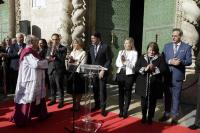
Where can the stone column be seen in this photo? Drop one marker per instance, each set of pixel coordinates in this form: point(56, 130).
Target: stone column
point(11, 18)
point(78, 19)
point(66, 24)
point(17, 14)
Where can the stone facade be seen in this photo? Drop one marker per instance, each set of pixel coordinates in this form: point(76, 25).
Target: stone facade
point(77, 18)
point(187, 18)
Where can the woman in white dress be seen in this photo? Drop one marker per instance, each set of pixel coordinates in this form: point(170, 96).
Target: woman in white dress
point(76, 87)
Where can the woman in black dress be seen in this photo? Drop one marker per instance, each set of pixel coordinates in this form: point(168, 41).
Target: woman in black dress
point(150, 68)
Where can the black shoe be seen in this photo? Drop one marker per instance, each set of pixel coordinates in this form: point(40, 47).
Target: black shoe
point(174, 121)
point(143, 121)
point(125, 115)
point(52, 103)
point(120, 114)
point(95, 109)
point(194, 127)
point(164, 118)
point(60, 104)
point(104, 113)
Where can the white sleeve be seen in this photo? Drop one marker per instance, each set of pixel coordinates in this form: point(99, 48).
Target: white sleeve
point(34, 62)
point(118, 62)
point(83, 58)
point(131, 63)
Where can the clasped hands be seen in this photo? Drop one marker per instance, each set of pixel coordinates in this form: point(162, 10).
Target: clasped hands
point(175, 61)
point(150, 68)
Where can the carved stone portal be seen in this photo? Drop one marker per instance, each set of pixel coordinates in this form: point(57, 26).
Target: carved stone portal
point(187, 16)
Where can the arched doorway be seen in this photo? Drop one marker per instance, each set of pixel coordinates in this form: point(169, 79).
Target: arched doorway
point(117, 20)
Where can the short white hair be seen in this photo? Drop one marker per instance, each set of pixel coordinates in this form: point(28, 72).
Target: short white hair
point(31, 39)
point(19, 34)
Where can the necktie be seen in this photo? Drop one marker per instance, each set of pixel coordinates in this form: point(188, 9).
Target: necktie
point(95, 50)
point(7, 49)
point(175, 49)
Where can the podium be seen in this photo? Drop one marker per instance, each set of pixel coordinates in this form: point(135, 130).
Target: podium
point(87, 124)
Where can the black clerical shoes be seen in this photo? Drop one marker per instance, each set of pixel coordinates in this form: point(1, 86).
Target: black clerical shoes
point(194, 127)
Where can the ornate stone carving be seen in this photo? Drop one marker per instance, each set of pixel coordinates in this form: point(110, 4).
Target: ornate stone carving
point(191, 13)
point(188, 14)
point(78, 19)
point(179, 14)
point(66, 24)
point(18, 14)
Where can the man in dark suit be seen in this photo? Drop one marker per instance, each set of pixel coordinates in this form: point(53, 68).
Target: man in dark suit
point(196, 124)
point(177, 55)
point(56, 69)
point(100, 54)
point(13, 54)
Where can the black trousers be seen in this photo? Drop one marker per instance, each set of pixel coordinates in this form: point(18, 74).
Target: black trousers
point(100, 92)
point(56, 84)
point(151, 108)
point(13, 80)
point(125, 83)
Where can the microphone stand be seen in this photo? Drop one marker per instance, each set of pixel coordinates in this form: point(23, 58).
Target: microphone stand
point(73, 94)
point(148, 87)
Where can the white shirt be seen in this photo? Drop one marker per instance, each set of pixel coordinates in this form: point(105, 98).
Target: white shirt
point(176, 47)
point(131, 58)
point(80, 57)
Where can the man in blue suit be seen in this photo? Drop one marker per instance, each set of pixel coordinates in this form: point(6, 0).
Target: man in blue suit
point(177, 55)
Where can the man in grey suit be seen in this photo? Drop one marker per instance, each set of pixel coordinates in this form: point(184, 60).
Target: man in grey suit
point(56, 69)
point(177, 55)
point(100, 54)
point(196, 124)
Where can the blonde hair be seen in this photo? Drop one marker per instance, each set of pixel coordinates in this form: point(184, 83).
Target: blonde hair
point(131, 41)
point(79, 42)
